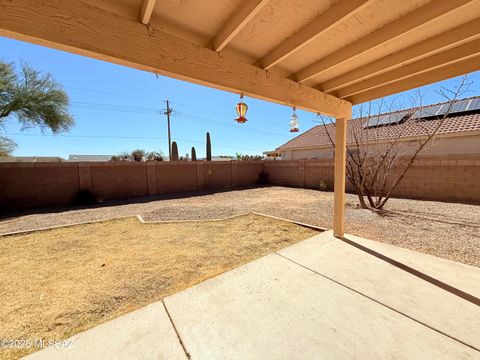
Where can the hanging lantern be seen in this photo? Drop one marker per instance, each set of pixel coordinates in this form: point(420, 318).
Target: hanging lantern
point(294, 122)
point(241, 111)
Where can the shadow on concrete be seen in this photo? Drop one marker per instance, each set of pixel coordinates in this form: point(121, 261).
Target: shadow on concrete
point(451, 289)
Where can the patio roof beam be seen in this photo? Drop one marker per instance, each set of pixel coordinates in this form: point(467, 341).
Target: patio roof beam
point(147, 9)
point(422, 49)
point(311, 31)
point(432, 62)
point(84, 29)
point(245, 12)
point(427, 77)
point(413, 20)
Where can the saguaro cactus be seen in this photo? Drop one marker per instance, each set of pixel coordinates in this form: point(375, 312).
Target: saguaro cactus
point(194, 154)
point(209, 148)
point(174, 151)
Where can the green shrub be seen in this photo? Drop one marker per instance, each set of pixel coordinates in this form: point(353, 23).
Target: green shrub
point(323, 185)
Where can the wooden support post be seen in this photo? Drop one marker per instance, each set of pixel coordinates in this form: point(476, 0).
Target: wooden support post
point(339, 179)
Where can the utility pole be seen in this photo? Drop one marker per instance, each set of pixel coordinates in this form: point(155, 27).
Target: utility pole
point(168, 112)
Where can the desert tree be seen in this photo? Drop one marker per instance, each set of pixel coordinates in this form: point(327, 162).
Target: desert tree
point(378, 155)
point(34, 99)
point(155, 155)
point(138, 155)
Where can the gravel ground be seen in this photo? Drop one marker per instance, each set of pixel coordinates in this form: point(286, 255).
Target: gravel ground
point(447, 230)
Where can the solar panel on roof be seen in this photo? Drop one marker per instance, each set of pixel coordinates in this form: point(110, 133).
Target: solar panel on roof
point(440, 110)
point(443, 109)
point(388, 119)
point(474, 104)
point(459, 106)
point(427, 111)
point(393, 118)
point(373, 121)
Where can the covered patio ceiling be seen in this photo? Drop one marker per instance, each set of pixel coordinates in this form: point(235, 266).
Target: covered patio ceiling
point(318, 55)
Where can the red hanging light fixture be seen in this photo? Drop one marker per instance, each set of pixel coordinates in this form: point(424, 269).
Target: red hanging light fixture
point(241, 111)
point(294, 125)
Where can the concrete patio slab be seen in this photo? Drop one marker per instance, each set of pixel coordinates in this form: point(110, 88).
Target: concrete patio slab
point(142, 334)
point(274, 308)
point(393, 287)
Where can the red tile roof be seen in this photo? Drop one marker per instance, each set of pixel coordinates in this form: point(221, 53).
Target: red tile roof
point(318, 136)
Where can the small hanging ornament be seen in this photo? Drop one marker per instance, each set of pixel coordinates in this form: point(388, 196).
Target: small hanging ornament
point(241, 111)
point(294, 122)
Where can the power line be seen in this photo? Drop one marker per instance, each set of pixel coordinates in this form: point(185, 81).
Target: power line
point(133, 137)
point(184, 115)
point(112, 107)
point(198, 108)
point(111, 93)
point(193, 117)
point(156, 100)
point(146, 98)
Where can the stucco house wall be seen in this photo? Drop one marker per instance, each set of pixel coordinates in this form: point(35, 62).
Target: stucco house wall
point(444, 145)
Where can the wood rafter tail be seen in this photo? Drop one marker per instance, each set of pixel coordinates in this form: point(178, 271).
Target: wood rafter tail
point(147, 10)
point(413, 20)
point(431, 76)
point(435, 44)
point(450, 56)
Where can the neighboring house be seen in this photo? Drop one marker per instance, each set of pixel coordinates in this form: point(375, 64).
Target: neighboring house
point(458, 134)
point(89, 158)
point(272, 155)
point(30, 159)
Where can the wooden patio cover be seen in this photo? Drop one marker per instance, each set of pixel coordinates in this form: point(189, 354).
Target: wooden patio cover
point(318, 55)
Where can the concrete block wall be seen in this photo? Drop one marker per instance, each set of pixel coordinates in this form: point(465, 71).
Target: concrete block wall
point(115, 180)
point(26, 185)
point(172, 178)
point(318, 170)
point(445, 178)
point(34, 185)
point(246, 173)
point(217, 175)
point(440, 178)
point(283, 173)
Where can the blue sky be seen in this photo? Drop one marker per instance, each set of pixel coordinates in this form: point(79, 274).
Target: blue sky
point(119, 109)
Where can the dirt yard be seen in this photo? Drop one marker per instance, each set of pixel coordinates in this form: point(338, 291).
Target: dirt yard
point(447, 230)
point(59, 282)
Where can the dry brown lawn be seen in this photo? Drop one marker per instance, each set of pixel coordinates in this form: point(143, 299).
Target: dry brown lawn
point(55, 283)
